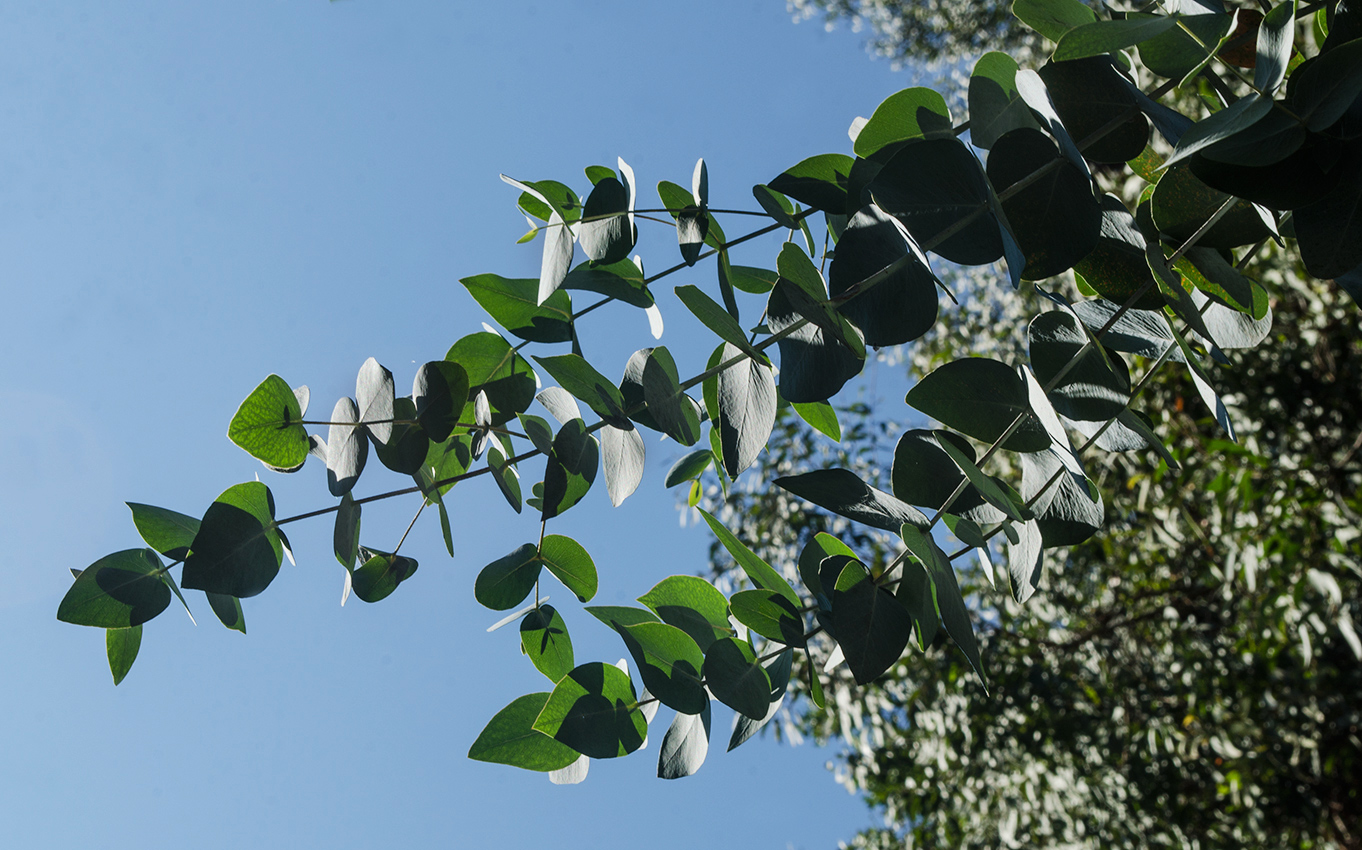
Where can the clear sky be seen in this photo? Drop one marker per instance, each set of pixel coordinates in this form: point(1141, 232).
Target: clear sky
point(195, 195)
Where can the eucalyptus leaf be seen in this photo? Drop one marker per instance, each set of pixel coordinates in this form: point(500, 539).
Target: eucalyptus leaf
point(504, 583)
point(691, 604)
point(121, 646)
point(347, 448)
point(118, 591)
point(685, 745)
point(169, 532)
point(267, 425)
point(736, 678)
point(570, 563)
point(544, 638)
point(594, 710)
point(510, 738)
point(747, 411)
point(237, 550)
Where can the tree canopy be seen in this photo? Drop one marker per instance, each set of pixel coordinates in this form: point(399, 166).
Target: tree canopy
point(1171, 281)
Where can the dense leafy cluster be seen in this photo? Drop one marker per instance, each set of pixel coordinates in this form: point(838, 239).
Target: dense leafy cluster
point(1190, 677)
point(1171, 282)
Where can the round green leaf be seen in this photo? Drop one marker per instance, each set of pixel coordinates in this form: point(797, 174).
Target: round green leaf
point(736, 678)
point(380, 574)
point(872, 627)
point(544, 638)
point(939, 192)
point(118, 591)
point(237, 551)
point(691, 604)
point(980, 397)
point(266, 425)
point(504, 583)
point(166, 531)
point(510, 738)
point(669, 662)
point(770, 615)
point(122, 645)
point(594, 710)
point(914, 113)
point(495, 368)
point(570, 564)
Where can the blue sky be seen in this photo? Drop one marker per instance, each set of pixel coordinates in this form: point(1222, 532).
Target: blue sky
point(193, 196)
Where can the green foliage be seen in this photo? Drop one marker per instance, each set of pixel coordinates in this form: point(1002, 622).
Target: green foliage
point(1038, 447)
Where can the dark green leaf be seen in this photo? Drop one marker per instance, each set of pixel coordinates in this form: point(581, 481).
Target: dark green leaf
point(121, 646)
point(345, 538)
point(571, 468)
point(674, 412)
point(923, 474)
point(514, 304)
point(266, 425)
point(506, 478)
point(815, 552)
point(1053, 18)
point(594, 711)
point(228, 611)
point(995, 106)
point(570, 564)
point(444, 461)
point(237, 551)
point(623, 281)
point(677, 198)
point(716, 318)
point(899, 307)
point(915, 113)
point(939, 192)
point(685, 745)
point(1066, 514)
point(1055, 219)
point(605, 232)
point(1097, 388)
point(914, 593)
point(769, 614)
point(582, 380)
point(814, 364)
point(544, 638)
point(1329, 230)
point(380, 574)
point(1181, 204)
point(980, 397)
point(758, 571)
point(750, 279)
point(622, 615)
point(539, 432)
point(736, 678)
point(819, 181)
point(1117, 268)
point(1109, 36)
point(776, 205)
point(946, 591)
point(871, 626)
point(408, 444)
point(691, 604)
point(166, 531)
point(1242, 114)
point(842, 492)
point(118, 591)
point(1208, 271)
point(1326, 88)
point(747, 411)
point(669, 662)
point(778, 671)
point(495, 368)
point(1088, 95)
point(504, 583)
point(689, 467)
point(986, 486)
point(511, 739)
point(440, 392)
point(1175, 53)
